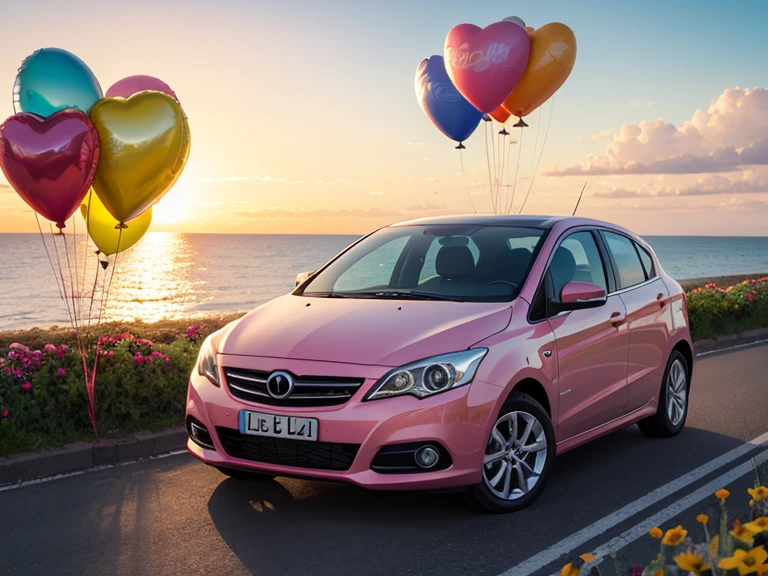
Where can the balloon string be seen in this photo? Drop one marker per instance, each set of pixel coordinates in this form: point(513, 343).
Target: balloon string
point(541, 153)
point(509, 173)
point(93, 290)
point(500, 184)
point(114, 268)
point(73, 286)
point(496, 170)
point(85, 251)
point(50, 260)
point(61, 275)
point(464, 177)
point(536, 143)
point(488, 158)
point(517, 169)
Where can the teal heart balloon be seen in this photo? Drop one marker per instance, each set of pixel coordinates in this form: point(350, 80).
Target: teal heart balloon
point(52, 79)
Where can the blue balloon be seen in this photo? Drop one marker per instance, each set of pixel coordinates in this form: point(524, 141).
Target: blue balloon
point(52, 79)
point(448, 110)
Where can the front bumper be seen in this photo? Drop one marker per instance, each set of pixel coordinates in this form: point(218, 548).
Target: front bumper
point(459, 420)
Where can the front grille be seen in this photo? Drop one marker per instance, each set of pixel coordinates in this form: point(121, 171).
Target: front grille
point(251, 385)
point(286, 452)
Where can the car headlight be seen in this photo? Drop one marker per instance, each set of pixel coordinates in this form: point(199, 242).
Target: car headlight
point(429, 376)
point(206, 362)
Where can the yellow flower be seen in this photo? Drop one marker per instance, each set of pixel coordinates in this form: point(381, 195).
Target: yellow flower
point(656, 532)
point(588, 557)
point(759, 493)
point(745, 562)
point(735, 306)
point(691, 562)
point(757, 525)
point(714, 544)
point(722, 494)
point(659, 572)
point(702, 518)
point(741, 532)
point(569, 570)
point(674, 536)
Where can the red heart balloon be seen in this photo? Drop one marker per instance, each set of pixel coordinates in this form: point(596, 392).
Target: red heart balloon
point(50, 161)
point(485, 64)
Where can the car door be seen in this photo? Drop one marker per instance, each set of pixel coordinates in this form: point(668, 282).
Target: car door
point(592, 344)
point(646, 299)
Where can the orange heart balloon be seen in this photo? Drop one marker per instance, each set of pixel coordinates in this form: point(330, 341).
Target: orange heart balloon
point(145, 145)
point(500, 115)
point(553, 52)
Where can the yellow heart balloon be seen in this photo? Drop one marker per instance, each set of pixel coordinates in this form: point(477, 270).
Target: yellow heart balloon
point(106, 232)
point(144, 147)
point(553, 52)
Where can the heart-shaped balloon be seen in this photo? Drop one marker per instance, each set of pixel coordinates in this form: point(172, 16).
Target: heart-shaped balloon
point(50, 161)
point(485, 64)
point(105, 231)
point(553, 53)
point(131, 85)
point(448, 110)
point(145, 147)
point(52, 79)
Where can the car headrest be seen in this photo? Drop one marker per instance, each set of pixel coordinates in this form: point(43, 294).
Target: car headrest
point(454, 262)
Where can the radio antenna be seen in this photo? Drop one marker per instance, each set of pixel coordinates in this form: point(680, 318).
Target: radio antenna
point(579, 200)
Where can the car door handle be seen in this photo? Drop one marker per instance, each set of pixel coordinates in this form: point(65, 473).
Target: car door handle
point(618, 318)
point(660, 299)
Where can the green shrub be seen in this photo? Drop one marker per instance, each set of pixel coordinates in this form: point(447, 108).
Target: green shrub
point(714, 311)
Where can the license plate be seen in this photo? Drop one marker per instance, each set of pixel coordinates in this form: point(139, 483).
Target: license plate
point(277, 426)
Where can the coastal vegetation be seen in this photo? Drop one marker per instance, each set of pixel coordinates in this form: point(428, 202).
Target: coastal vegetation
point(143, 368)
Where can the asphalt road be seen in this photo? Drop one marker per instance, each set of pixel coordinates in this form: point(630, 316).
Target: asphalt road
point(177, 516)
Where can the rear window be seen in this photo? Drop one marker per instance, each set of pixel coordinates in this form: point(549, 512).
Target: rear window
point(647, 261)
point(627, 261)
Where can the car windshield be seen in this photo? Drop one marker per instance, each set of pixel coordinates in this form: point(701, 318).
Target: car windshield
point(439, 262)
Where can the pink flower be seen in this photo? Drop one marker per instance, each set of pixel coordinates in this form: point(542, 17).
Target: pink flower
point(73, 332)
point(144, 341)
point(138, 358)
point(5, 413)
point(750, 296)
point(62, 372)
point(17, 346)
point(18, 373)
point(49, 348)
point(26, 386)
point(126, 336)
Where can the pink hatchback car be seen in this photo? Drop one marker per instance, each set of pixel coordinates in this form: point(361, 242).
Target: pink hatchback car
point(449, 352)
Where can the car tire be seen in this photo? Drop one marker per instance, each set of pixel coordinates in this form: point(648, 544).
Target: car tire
point(672, 412)
point(534, 465)
point(244, 474)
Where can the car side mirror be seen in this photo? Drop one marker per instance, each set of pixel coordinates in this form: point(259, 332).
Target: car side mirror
point(577, 295)
point(302, 277)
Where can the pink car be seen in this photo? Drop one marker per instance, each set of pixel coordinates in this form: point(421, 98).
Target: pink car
point(458, 352)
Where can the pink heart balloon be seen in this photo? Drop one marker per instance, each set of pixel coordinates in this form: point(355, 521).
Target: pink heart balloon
point(129, 86)
point(485, 64)
point(50, 161)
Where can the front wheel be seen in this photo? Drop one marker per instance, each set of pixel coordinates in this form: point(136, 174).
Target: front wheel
point(518, 457)
point(673, 400)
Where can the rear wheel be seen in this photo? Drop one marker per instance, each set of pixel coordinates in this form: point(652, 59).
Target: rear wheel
point(244, 474)
point(518, 457)
point(672, 412)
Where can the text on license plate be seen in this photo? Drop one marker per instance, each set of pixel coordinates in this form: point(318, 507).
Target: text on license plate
point(275, 425)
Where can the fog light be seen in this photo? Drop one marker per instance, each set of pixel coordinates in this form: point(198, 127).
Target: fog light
point(199, 433)
point(426, 457)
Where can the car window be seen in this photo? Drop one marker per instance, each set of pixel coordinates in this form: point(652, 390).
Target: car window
point(627, 261)
point(577, 258)
point(374, 270)
point(647, 261)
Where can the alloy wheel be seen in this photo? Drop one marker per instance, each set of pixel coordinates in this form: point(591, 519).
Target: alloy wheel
point(677, 393)
point(515, 455)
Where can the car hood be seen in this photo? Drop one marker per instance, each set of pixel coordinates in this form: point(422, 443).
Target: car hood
point(361, 331)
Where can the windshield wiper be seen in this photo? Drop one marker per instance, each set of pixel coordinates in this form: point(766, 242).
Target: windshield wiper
point(413, 295)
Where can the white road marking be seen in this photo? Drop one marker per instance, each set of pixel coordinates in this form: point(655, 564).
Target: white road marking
point(556, 551)
point(33, 481)
point(706, 491)
point(748, 344)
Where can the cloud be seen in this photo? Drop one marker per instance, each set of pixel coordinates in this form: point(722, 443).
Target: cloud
point(278, 212)
point(602, 134)
point(270, 179)
point(707, 185)
point(645, 103)
point(731, 134)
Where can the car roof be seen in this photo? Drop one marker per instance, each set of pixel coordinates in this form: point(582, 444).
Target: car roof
point(545, 222)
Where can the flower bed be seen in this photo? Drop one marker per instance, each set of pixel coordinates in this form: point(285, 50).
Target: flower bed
point(140, 385)
point(715, 311)
point(726, 547)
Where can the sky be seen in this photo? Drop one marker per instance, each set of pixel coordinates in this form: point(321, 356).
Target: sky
point(304, 118)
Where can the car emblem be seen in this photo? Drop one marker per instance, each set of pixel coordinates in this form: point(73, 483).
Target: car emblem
point(280, 385)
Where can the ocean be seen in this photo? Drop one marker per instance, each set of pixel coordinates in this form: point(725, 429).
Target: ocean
point(173, 275)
